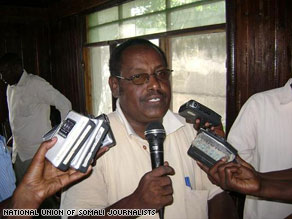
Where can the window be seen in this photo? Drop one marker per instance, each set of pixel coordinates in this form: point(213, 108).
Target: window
point(99, 74)
point(199, 71)
point(191, 32)
point(143, 17)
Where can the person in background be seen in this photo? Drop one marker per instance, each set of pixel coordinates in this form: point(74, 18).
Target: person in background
point(124, 179)
point(29, 98)
point(262, 135)
point(7, 177)
point(42, 180)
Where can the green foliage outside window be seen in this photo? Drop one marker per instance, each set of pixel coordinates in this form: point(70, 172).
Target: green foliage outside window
point(141, 17)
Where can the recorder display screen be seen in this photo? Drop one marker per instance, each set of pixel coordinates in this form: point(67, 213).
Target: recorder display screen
point(209, 148)
point(66, 127)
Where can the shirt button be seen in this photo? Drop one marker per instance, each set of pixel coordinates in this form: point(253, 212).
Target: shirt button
point(144, 147)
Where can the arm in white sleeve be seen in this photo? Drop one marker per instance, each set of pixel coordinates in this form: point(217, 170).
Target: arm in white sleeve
point(49, 95)
point(243, 133)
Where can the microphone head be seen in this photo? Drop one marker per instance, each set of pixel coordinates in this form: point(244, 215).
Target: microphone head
point(154, 128)
point(155, 135)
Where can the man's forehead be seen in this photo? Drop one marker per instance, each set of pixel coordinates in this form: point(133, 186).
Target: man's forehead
point(138, 63)
point(138, 52)
point(137, 48)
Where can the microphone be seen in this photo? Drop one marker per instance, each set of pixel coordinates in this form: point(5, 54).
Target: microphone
point(155, 135)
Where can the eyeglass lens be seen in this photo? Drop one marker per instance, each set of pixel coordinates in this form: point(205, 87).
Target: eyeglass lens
point(144, 77)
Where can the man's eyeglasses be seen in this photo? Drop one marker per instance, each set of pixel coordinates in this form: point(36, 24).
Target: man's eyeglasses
point(138, 79)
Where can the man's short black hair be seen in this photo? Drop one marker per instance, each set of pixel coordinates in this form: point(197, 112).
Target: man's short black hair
point(116, 56)
point(12, 59)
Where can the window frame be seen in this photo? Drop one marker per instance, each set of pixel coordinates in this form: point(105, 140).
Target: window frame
point(163, 44)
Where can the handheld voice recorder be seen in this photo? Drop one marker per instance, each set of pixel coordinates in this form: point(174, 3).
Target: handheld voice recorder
point(101, 136)
point(79, 139)
point(193, 110)
point(208, 148)
point(71, 134)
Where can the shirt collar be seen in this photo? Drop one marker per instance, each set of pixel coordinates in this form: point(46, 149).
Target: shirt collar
point(22, 79)
point(129, 129)
point(170, 122)
point(286, 96)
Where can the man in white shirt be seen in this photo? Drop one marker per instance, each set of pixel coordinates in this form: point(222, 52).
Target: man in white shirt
point(263, 136)
point(29, 98)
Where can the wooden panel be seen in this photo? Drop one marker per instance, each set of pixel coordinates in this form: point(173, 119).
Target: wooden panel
point(67, 72)
point(283, 35)
point(3, 105)
point(87, 81)
point(230, 64)
point(25, 15)
point(260, 58)
point(71, 7)
point(263, 47)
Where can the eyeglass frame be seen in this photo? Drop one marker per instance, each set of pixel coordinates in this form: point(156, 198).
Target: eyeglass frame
point(132, 78)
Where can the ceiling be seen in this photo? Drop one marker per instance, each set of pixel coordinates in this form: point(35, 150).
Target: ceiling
point(28, 3)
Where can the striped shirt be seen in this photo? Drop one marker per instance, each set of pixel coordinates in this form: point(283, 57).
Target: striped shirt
point(7, 177)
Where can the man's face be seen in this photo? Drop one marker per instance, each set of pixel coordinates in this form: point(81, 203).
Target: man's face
point(10, 75)
point(150, 101)
point(3, 73)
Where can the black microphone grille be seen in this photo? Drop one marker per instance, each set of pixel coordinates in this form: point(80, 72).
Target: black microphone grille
point(154, 128)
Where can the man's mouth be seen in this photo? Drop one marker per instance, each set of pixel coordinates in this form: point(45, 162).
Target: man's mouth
point(156, 99)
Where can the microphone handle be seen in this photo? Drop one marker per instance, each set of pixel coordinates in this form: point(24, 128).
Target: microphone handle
point(157, 161)
point(161, 213)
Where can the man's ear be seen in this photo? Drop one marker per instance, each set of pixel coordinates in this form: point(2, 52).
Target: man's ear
point(114, 85)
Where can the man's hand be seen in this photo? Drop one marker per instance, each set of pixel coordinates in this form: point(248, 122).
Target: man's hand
point(42, 179)
point(155, 188)
point(243, 179)
point(240, 177)
point(218, 130)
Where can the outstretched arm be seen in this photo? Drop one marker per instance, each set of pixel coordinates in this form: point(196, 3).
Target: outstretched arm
point(42, 180)
point(243, 178)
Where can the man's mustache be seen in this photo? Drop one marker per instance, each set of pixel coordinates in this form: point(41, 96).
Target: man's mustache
point(154, 93)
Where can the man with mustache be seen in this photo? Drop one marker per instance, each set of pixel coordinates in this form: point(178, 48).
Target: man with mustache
point(123, 179)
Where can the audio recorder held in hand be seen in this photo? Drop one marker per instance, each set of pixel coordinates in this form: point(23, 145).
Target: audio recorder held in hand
point(208, 148)
point(101, 136)
point(79, 138)
point(193, 110)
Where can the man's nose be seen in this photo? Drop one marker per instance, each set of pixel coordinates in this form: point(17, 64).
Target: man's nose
point(153, 82)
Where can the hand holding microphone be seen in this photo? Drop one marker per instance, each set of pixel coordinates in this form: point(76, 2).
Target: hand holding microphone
point(155, 189)
point(155, 135)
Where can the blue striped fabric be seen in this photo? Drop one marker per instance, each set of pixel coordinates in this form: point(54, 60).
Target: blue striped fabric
point(7, 177)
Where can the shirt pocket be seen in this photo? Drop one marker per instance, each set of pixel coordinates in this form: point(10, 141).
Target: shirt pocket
point(196, 203)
